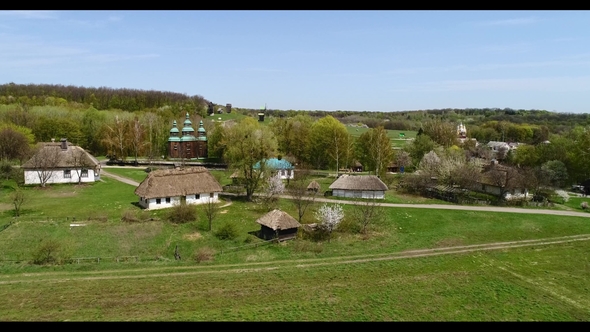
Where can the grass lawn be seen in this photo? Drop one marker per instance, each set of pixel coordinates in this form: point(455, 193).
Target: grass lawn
point(528, 284)
point(533, 283)
point(135, 173)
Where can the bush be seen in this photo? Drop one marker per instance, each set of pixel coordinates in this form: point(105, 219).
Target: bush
point(182, 213)
point(5, 170)
point(349, 225)
point(227, 231)
point(204, 254)
point(48, 252)
point(584, 205)
point(133, 216)
point(306, 246)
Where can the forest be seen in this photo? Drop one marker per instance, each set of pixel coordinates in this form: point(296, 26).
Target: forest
point(127, 123)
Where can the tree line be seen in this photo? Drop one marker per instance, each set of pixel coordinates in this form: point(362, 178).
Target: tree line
point(101, 98)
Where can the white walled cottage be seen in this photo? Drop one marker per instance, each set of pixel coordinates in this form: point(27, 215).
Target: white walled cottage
point(165, 188)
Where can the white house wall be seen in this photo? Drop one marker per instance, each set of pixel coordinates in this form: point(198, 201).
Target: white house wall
point(151, 203)
point(57, 176)
point(358, 194)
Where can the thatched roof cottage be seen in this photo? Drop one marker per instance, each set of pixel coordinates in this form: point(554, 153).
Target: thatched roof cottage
point(164, 188)
point(279, 224)
point(61, 162)
point(359, 186)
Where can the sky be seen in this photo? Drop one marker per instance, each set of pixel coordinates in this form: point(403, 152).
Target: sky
point(384, 61)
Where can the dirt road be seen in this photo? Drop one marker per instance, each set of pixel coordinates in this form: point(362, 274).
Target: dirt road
point(164, 271)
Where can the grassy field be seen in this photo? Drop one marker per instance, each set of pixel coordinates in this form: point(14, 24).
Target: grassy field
point(394, 135)
point(532, 283)
point(528, 284)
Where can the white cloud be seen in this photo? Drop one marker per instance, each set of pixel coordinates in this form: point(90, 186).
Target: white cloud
point(29, 14)
point(510, 22)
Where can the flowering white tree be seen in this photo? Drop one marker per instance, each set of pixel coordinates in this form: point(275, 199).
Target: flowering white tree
point(274, 187)
point(329, 217)
point(563, 194)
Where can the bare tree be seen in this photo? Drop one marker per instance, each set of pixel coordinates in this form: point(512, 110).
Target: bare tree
point(368, 212)
point(301, 197)
point(505, 178)
point(116, 137)
point(136, 140)
point(79, 162)
point(44, 162)
point(18, 198)
point(211, 209)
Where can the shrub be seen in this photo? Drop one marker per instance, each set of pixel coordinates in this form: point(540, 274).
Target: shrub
point(129, 216)
point(48, 252)
point(182, 213)
point(306, 246)
point(204, 254)
point(584, 205)
point(135, 216)
point(227, 231)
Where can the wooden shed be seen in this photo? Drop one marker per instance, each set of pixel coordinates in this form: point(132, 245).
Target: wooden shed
point(313, 186)
point(279, 224)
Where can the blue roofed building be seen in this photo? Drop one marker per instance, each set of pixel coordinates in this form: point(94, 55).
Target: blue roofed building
point(282, 166)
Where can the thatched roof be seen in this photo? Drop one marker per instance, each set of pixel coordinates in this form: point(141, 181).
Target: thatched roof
point(313, 185)
point(178, 182)
point(278, 220)
point(358, 182)
point(70, 157)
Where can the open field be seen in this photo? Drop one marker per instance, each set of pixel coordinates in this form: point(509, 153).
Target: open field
point(535, 283)
point(394, 135)
point(456, 274)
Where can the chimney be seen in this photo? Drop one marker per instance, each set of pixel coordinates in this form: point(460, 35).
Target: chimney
point(64, 144)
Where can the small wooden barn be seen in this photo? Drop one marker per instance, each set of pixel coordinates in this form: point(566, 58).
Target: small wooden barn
point(279, 224)
point(357, 166)
point(313, 186)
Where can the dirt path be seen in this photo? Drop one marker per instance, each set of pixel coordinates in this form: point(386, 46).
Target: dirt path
point(460, 207)
point(284, 264)
point(119, 178)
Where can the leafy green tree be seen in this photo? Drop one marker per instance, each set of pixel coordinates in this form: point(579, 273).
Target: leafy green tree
point(215, 141)
point(420, 146)
point(15, 142)
point(328, 146)
point(374, 150)
point(443, 133)
point(556, 172)
point(92, 121)
point(247, 144)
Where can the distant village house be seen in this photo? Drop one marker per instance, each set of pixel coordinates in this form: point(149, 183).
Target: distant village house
point(359, 186)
